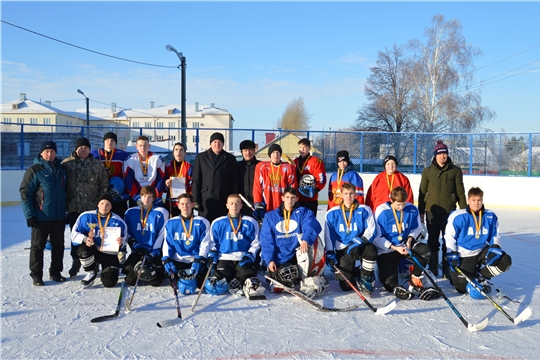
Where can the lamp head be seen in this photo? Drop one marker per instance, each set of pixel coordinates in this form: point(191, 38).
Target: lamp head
point(171, 48)
point(80, 92)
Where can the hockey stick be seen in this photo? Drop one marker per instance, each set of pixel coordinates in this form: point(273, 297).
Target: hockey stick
point(117, 312)
point(201, 289)
point(127, 303)
point(288, 159)
point(471, 327)
point(524, 315)
point(381, 311)
point(171, 322)
point(246, 202)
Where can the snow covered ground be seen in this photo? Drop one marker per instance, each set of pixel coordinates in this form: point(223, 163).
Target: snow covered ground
point(53, 322)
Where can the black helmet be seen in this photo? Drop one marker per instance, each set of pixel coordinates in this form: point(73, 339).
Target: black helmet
point(148, 272)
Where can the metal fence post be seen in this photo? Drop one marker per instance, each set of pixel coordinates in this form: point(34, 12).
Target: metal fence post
point(415, 152)
point(529, 158)
point(21, 137)
point(361, 151)
point(471, 141)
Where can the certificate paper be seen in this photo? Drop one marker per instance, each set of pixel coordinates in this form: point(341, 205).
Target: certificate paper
point(109, 244)
point(178, 186)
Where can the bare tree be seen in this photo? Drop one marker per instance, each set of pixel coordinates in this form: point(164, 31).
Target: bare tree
point(388, 90)
point(295, 116)
point(441, 67)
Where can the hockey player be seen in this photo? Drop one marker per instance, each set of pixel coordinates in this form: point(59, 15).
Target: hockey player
point(235, 243)
point(344, 174)
point(271, 179)
point(383, 184)
point(186, 246)
point(349, 233)
point(473, 243)
point(146, 227)
point(400, 226)
point(285, 229)
point(88, 234)
point(178, 168)
point(113, 160)
point(144, 168)
point(312, 167)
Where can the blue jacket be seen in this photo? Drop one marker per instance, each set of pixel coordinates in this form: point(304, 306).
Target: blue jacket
point(389, 235)
point(335, 230)
point(234, 247)
point(43, 190)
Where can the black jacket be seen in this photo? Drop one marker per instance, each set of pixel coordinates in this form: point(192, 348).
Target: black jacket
point(244, 181)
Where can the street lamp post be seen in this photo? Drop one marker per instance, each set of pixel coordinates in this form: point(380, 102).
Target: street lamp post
point(182, 67)
point(87, 109)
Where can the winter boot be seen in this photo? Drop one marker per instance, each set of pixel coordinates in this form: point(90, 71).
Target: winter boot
point(89, 278)
point(57, 278)
point(75, 267)
point(254, 290)
point(365, 285)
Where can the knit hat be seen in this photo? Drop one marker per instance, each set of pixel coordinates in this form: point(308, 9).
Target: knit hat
point(110, 135)
point(217, 136)
point(342, 155)
point(273, 148)
point(47, 145)
point(440, 148)
point(107, 197)
point(247, 144)
point(388, 158)
point(82, 142)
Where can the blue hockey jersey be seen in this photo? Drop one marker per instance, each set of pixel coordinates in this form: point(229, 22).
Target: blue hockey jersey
point(232, 246)
point(389, 235)
point(151, 237)
point(81, 229)
point(178, 246)
point(362, 223)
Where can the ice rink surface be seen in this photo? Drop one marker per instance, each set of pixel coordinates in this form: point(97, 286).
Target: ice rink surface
point(53, 322)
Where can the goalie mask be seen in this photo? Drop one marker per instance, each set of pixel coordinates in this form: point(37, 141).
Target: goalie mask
point(116, 188)
point(288, 275)
point(308, 181)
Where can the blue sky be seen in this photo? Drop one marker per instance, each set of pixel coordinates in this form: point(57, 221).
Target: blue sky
point(253, 58)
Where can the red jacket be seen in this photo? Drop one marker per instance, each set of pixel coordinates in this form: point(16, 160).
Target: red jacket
point(268, 187)
point(313, 166)
point(182, 170)
point(379, 191)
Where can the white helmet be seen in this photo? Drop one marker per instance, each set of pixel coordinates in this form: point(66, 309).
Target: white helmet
point(307, 180)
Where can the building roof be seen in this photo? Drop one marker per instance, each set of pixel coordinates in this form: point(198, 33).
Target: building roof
point(28, 106)
point(163, 111)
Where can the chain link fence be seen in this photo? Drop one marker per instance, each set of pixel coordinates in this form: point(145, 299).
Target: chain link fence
point(509, 154)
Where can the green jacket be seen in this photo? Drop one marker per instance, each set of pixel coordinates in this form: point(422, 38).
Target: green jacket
point(441, 188)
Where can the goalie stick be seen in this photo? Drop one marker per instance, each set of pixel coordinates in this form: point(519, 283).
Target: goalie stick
point(471, 327)
point(524, 315)
point(178, 319)
point(308, 300)
point(381, 311)
point(196, 300)
point(116, 313)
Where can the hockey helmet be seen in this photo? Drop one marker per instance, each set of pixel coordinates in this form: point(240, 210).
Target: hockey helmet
point(473, 293)
point(213, 286)
point(148, 271)
point(187, 286)
point(116, 187)
point(288, 274)
point(307, 180)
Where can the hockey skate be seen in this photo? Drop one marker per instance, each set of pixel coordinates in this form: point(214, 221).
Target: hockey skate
point(484, 284)
point(254, 290)
point(365, 285)
point(417, 287)
point(89, 279)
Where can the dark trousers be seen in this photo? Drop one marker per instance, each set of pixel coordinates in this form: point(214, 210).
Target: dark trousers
point(346, 261)
point(43, 230)
point(311, 205)
point(230, 269)
point(131, 274)
point(436, 225)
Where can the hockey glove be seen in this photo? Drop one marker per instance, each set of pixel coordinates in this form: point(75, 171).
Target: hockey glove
point(453, 260)
point(170, 268)
point(260, 211)
point(307, 191)
point(357, 242)
point(494, 255)
point(428, 294)
point(137, 199)
point(152, 254)
point(32, 222)
point(247, 259)
point(141, 250)
point(198, 206)
point(212, 257)
point(197, 265)
point(331, 258)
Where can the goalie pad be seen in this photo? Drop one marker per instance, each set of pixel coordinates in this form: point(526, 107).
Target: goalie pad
point(311, 263)
point(313, 286)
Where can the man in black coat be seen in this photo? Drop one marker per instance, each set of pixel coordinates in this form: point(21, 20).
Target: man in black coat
point(214, 179)
point(246, 173)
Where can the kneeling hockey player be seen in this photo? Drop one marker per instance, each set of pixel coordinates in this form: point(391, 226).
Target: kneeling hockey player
point(473, 243)
point(349, 233)
point(186, 245)
point(289, 241)
point(88, 233)
point(146, 225)
point(400, 226)
point(235, 243)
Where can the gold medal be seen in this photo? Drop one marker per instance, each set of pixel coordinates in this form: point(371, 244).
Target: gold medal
point(477, 236)
point(477, 223)
point(348, 231)
point(142, 232)
point(287, 235)
point(400, 238)
point(188, 242)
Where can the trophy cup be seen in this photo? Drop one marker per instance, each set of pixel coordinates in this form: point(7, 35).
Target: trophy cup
point(91, 233)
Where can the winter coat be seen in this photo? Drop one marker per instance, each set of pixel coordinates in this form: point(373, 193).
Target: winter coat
point(334, 186)
point(269, 191)
point(244, 181)
point(313, 166)
point(43, 190)
point(213, 182)
point(379, 190)
point(87, 181)
point(441, 188)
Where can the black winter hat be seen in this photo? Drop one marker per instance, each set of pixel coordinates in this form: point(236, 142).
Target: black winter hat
point(47, 145)
point(343, 155)
point(82, 142)
point(388, 158)
point(247, 144)
point(217, 136)
point(273, 148)
point(110, 135)
point(107, 197)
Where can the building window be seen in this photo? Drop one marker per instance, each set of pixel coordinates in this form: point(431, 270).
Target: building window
point(7, 120)
point(159, 137)
point(159, 125)
point(63, 148)
point(147, 124)
point(194, 138)
point(135, 124)
point(196, 125)
point(33, 120)
point(172, 137)
point(20, 120)
point(47, 121)
point(172, 124)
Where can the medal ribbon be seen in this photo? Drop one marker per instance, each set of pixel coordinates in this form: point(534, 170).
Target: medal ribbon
point(188, 233)
point(235, 231)
point(339, 177)
point(275, 177)
point(109, 160)
point(347, 222)
point(303, 166)
point(144, 167)
point(477, 222)
point(287, 218)
point(390, 184)
point(177, 174)
point(102, 229)
point(399, 222)
point(145, 218)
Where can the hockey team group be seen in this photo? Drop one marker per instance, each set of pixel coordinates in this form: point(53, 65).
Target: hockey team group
point(215, 224)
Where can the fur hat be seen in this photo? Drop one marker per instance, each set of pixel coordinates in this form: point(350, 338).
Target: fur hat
point(82, 142)
point(217, 136)
point(388, 158)
point(273, 148)
point(47, 145)
point(440, 148)
point(247, 144)
point(343, 155)
point(110, 135)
